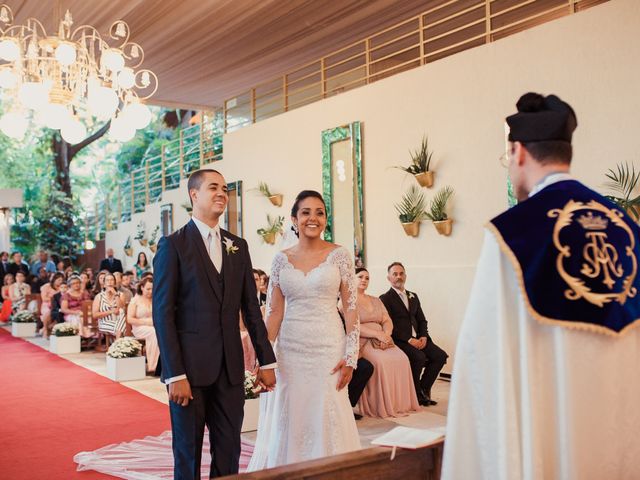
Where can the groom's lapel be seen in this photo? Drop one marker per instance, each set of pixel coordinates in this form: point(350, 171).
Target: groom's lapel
point(227, 263)
point(205, 260)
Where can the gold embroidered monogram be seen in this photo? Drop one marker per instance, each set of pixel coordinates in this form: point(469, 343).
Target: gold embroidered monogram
point(604, 265)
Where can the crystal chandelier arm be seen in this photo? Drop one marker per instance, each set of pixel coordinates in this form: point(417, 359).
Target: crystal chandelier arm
point(135, 52)
point(119, 30)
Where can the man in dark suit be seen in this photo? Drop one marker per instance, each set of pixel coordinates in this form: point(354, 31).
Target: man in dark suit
point(4, 264)
point(18, 265)
point(203, 279)
point(110, 263)
point(411, 334)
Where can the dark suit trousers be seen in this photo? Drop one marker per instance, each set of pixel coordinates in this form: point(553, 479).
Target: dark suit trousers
point(221, 408)
point(361, 376)
point(432, 358)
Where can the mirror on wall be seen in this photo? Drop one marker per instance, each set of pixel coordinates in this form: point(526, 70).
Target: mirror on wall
point(166, 219)
point(342, 187)
point(233, 213)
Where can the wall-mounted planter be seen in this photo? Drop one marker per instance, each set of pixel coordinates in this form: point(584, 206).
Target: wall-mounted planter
point(425, 179)
point(444, 227)
point(411, 229)
point(276, 199)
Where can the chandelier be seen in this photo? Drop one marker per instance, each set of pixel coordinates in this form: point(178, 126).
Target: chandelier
point(62, 79)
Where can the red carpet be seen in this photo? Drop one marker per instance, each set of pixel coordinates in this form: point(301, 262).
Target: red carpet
point(52, 409)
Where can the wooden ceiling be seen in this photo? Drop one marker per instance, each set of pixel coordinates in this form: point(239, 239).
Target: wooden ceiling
point(206, 51)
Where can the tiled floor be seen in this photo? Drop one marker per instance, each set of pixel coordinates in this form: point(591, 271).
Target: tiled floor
point(369, 428)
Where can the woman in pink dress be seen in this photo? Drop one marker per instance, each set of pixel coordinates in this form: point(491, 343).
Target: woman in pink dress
point(389, 392)
point(47, 292)
point(5, 313)
point(139, 316)
point(71, 304)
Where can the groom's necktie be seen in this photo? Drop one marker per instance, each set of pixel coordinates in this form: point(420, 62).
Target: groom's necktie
point(215, 249)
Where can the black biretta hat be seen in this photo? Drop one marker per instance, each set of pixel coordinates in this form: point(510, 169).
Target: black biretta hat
point(541, 119)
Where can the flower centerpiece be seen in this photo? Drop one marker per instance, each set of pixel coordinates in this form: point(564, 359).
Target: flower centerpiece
point(65, 339)
point(411, 210)
point(23, 324)
point(140, 233)
point(128, 250)
point(153, 244)
point(251, 403)
point(420, 163)
point(274, 198)
point(437, 213)
point(273, 228)
point(125, 361)
point(250, 390)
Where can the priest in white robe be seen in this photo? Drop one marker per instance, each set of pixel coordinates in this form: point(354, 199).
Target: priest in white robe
point(545, 383)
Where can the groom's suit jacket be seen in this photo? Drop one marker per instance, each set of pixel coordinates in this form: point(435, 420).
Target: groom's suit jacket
point(404, 319)
point(196, 309)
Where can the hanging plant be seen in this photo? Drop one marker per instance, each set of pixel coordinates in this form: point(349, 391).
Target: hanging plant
point(128, 250)
point(140, 233)
point(420, 163)
point(274, 198)
point(411, 210)
point(274, 228)
point(437, 213)
point(152, 239)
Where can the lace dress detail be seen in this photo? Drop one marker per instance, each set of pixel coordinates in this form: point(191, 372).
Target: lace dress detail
point(305, 417)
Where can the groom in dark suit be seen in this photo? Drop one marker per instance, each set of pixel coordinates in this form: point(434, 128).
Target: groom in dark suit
point(202, 280)
point(411, 333)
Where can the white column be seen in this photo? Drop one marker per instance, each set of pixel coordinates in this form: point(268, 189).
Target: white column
point(5, 230)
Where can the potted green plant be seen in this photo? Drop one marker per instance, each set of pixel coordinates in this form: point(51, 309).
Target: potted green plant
point(140, 233)
point(623, 183)
point(128, 250)
point(420, 163)
point(274, 227)
point(23, 324)
point(411, 210)
point(64, 339)
point(437, 213)
point(125, 361)
point(153, 245)
point(274, 198)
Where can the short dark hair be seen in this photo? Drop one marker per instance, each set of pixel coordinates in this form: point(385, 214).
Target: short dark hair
point(143, 282)
point(258, 272)
point(361, 269)
point(395, 264)
point(13, 253)
point(304, 195)
point(196, 179)
point(128, 273)
point(550, 151)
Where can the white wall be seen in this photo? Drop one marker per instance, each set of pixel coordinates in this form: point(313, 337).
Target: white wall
point(589, 59)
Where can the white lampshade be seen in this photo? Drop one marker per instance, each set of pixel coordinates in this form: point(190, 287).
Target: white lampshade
point(113, 60)
point(126, 78)
point(73, 131)
point(66, 53)
point(14, 124)
point(33, 95)
point(55, 115)
point(137, 114)
point(8, 79)
point(121, 129)
point(9, 50)
point(102, 101)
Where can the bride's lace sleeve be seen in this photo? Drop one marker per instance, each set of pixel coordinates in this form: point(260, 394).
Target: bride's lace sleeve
point(274, 311)
point(348, 297)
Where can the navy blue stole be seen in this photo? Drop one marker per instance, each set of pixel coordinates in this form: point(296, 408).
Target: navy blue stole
point(576, 257)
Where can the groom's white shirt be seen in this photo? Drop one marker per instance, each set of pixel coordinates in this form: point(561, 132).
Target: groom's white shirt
point(208, 233)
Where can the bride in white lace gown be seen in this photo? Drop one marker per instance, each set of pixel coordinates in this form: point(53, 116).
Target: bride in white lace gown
point(308, 415)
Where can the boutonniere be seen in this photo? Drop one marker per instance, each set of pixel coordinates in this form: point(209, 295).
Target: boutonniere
point(410, 295)
point(230, 247)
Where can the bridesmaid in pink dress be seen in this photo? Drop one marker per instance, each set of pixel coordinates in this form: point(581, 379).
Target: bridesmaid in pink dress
point(390, 391)
point(139, 316)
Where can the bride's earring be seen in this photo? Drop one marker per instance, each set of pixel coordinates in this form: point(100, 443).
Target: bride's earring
point(295, 228)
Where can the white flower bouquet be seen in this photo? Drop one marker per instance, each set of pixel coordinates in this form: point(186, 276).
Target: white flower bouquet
point(125, 348)
point(250, 390)
point(24, 316)
point(65, 330)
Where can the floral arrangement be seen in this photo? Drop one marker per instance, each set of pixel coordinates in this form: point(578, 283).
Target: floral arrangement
point(250, 390)
point(420, 159)
point(125, 348)
point(24, 316)
point(65, 330)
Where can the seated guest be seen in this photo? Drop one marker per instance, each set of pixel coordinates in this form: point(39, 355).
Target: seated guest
point(139, 316)
point(18, 292)
point(141, 267)
point(89, 272)
point(71, 304)
point(36, 282)
point(258, 278)
point(43, 262)
point(359, 379)
point(124, 286)
point(390, 392)
point(99, 285)
point(56, 303)
point(411, 335)
point(110, 263)
point(4, 264)
point(18, 265)
point(108, 308)
point(264, 286)
point(85, 284)
point(47, 292)
point(5, 312)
